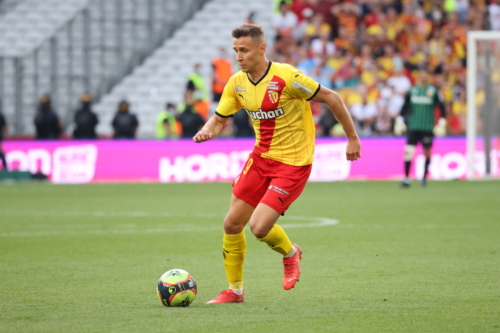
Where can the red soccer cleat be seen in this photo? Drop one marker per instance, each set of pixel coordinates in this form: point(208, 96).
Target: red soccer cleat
point(227, 296)
point(291, 267)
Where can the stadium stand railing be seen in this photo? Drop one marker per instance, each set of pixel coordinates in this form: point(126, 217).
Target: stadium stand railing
point(70, 47)
point(163, 76)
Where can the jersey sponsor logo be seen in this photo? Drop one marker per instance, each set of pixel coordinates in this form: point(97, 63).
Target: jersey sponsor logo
point(273, 85)
point(240, 89)
point(301, 87)
point(421, 100)
point(261, 115)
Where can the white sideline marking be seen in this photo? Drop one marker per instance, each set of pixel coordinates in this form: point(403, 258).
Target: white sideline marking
point(319, 222)
point(314, 223)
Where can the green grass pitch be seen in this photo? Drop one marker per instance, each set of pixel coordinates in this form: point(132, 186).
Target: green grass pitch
point(86, 258)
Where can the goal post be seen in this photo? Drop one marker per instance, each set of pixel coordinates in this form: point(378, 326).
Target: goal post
point(483, 102)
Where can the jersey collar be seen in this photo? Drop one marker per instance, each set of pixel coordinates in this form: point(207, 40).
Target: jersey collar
point(263, 76)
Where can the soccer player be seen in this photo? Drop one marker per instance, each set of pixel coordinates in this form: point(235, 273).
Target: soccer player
point(275, 96)
point(420, 103)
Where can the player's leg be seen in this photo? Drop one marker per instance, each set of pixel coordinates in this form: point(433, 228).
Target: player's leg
point(427, 141)
point(410, 147)
point(234, 242)
point(249, 188)
point(281, 193)
point(264, 227)
point(234, 249)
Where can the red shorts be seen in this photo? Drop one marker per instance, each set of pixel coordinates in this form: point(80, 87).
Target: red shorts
point(273, 183)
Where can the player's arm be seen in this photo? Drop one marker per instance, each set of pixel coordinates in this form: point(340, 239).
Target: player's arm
point(228, 106)
point(339, 110)
point(399, 122)
point(440, 128)
point(406, 109)
point(211, 129)
point(439, 103)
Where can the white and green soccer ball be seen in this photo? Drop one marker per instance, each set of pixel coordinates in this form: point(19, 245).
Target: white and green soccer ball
point(177, 288)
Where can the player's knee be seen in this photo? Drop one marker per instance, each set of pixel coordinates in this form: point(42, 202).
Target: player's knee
point(232, 226)
point(409, 151)
point(259, 230)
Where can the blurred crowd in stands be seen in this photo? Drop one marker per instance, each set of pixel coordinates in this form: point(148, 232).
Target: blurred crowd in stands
point(366, 50)
point(369, 52)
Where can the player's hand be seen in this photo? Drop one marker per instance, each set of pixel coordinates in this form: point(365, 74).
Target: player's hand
point(440, 128)
point(353, 150)
point(399, 126)
point(202, 136)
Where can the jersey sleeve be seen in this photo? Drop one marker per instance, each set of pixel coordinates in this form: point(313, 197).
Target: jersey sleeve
point(302, 86)
point(228, 104)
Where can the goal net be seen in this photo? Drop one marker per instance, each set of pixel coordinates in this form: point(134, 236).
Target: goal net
point(483, 104)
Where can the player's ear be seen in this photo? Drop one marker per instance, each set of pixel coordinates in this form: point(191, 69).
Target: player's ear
point(263, 48)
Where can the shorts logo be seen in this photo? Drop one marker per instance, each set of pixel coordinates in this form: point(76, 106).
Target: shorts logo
point(260, 115)
point(301, 87)
point(277, 189)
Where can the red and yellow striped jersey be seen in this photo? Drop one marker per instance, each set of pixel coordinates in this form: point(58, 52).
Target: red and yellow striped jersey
point(279, 109)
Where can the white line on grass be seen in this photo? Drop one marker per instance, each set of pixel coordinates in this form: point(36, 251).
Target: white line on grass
point(312, 222)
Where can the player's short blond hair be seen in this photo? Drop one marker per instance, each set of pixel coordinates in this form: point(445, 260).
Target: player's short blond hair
point(253, 30)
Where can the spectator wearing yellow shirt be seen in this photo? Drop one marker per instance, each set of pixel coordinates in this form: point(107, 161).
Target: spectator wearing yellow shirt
point(385, 61)
point(392, 25)
point(337, 60)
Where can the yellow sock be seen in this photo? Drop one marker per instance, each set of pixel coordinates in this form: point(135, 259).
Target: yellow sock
point(234, 249)
point(277, 240)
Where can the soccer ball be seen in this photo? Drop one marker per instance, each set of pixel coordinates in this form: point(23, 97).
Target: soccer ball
point(176, 288)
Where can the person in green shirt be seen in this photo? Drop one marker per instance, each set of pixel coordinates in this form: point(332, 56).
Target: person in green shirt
point(165, 122)
point(418, 112)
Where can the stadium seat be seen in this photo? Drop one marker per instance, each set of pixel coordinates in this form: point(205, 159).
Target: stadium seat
point(33, 23)
point(167, 69)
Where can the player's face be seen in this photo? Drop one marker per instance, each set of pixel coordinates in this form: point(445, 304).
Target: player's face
point(248, 53)
point(423, 77)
